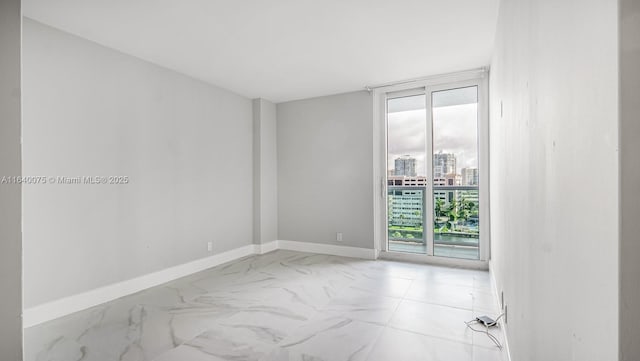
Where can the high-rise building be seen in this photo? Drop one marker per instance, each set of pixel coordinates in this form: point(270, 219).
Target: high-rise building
point(469, 176)
point(449, 180)
point(443, 164)
point(404, 181)
point(406, 207)
point(405, 165)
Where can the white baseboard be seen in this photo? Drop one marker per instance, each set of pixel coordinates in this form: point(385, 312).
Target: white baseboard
point(266, 247)
point(68, 305)
point(503, 326)
point(65, 306)
point(332, 249)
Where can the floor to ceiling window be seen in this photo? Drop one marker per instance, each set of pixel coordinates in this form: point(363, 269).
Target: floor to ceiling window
point(433, 168)
point(456, 207)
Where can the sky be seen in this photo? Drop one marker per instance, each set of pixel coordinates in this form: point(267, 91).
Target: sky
point(455, 130)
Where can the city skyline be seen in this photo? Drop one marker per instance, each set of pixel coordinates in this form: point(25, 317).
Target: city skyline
point(455, 132)
point(405, 165)
point(444, 167)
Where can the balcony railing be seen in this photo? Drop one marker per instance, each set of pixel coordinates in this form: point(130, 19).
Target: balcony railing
point(455, 225)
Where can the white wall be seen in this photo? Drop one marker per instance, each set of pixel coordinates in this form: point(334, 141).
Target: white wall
point(629, 180)
point(324, 169)
point(265, 172)
point(186, 147)
point(10, 194)
point(554, 177)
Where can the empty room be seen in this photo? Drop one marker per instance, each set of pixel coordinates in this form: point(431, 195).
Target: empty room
point(298, 180)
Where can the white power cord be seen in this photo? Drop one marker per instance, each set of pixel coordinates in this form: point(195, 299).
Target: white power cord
point(486, 330)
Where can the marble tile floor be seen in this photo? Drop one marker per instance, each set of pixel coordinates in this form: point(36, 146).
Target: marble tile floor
point(285, 306)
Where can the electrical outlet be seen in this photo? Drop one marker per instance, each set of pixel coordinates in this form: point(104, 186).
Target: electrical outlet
point(339, 236)
point(209, 246)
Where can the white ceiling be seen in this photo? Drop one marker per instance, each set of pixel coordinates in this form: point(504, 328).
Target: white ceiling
point(282, 50)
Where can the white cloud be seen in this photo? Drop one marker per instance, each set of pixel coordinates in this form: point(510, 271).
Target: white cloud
point(455, 130)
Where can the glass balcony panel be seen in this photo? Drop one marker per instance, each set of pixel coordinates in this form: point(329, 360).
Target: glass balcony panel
point(456, 225)
point(406, 219)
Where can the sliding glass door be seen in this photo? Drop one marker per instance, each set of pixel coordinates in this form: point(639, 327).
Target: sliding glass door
point(407, 172)
point(433, 171)
point(456, 211)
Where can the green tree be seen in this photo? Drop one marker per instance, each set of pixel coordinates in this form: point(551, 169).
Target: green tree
point(466, 208)
point(439, 207)
point(463, 208)
point(451, 211)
